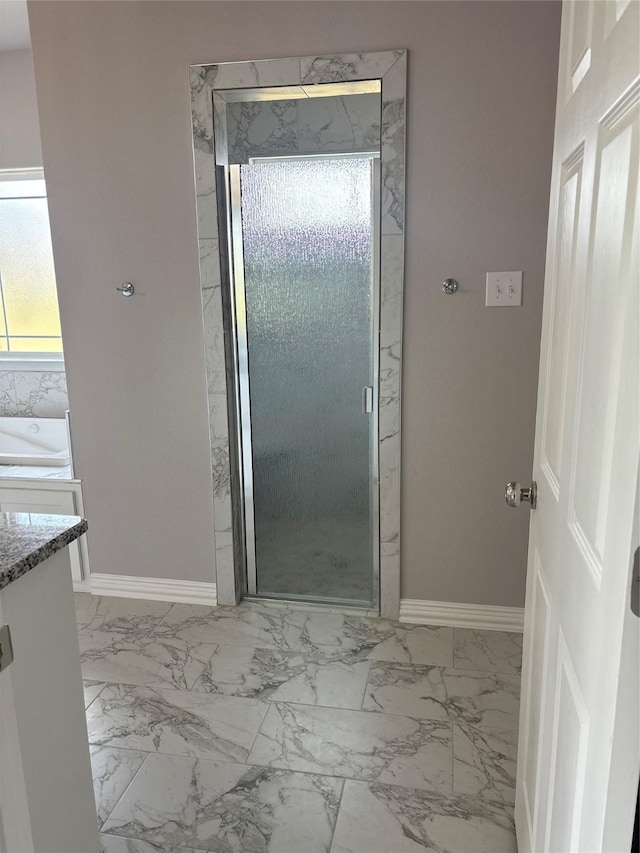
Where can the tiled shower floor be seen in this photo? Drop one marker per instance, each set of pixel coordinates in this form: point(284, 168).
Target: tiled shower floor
point(333, 552)
point(270, 728)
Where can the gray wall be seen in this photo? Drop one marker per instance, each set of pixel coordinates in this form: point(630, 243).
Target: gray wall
point(19, 131)
point(114, 113)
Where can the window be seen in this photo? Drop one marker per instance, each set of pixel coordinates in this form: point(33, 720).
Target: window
point(29, 318)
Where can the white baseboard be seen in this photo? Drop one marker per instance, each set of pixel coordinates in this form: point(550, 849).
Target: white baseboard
point(451, 613)
point(155, 589)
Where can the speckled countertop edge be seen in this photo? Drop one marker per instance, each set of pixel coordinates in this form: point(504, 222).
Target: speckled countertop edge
point(25, 545)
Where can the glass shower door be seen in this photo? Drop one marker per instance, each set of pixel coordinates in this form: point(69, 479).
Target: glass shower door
point(308, 248)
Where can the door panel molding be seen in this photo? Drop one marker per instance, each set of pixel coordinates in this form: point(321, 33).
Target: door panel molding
point(560, 297)
point(533, 695)
point(572, 772)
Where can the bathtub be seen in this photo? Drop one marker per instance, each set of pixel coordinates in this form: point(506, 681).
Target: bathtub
point(34, 441)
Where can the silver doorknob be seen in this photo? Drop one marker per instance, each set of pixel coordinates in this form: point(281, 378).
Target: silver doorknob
point(514, 494)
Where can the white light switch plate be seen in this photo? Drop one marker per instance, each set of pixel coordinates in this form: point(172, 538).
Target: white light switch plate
point(504, 289)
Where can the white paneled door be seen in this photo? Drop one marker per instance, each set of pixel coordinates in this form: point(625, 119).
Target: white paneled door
point(578, 757)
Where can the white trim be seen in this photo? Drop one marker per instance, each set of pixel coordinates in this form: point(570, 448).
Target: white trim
point(155, 589)
point(34, 173)
point(43, 362)
point(31, 181)
point(451, 613)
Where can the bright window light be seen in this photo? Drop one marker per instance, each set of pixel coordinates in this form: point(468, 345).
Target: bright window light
point(29, 317)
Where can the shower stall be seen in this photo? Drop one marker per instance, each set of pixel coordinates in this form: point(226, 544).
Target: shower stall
point(299, 175)
point(302, 227)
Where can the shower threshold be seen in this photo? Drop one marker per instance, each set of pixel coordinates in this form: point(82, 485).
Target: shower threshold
point(360, 608)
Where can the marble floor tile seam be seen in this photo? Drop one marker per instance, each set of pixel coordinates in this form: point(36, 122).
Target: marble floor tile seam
point(266, 673)
point(155, 686)
point(131, 749)
point(147, 846)
point(259, 729)
point(335, 823)
point(507, 805)
point(102, 823)
point(153, 845)
point(254, 765)
point(135, 622)
point(290, 606)
point(268, 699)
point(318, 770)
point(226, 611)
point(322, 655)
point(479, 729)
point(266, 711)
point(479, 726)
point(312, 607)
point(259, 606)
point(458, 668)
point(422, 667)
point(496, 651)
point(435, 795)
point(85, 683)
point(403, 793)
point(340, 780)
point(369, 711)
point(364, 692)
point(169, 724)
point(351, 635)
point(112, 836)
point(450, 725)
point(419, 821)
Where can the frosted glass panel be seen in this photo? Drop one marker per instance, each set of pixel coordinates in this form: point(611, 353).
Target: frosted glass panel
point(308, 248)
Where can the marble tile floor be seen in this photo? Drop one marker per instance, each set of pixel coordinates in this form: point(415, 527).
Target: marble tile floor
point(270, 728)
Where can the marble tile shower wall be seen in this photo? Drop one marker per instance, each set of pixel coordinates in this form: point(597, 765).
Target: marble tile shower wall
point(33, 394)
point(303, 126)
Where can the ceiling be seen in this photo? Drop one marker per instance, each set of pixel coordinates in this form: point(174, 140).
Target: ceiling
point(14, 25)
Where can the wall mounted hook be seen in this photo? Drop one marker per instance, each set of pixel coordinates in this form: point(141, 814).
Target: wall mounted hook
point(449, 285)
point(126, 289)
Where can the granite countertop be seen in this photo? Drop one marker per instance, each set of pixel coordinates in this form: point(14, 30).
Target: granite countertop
point(28, 539)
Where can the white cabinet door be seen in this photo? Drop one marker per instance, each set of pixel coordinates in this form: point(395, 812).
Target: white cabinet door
point(48, 501)
point(46, 794)
point(578, 746)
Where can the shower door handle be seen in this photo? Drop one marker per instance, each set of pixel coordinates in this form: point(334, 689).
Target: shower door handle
point(367, 400)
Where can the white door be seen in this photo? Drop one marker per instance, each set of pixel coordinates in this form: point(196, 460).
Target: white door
point(578, 751)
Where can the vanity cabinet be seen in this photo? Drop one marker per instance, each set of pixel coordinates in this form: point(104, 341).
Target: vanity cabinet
point(54, 497)
point(46, 790)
